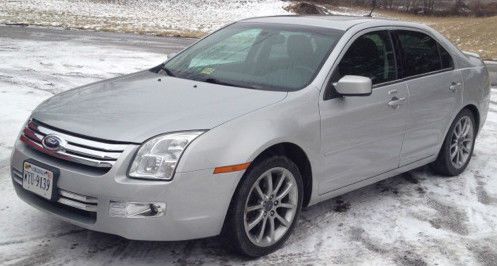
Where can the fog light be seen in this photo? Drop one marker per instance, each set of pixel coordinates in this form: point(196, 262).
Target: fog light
point(136, 209)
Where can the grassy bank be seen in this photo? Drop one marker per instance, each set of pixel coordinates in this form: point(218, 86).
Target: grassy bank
point(473, 34)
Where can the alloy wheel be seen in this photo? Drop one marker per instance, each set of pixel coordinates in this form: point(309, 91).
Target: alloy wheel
point(461, 142)
point(270, 207)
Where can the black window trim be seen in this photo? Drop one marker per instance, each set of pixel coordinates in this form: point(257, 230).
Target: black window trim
point(398, 55)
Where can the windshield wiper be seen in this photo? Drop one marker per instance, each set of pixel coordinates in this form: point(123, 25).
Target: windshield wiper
point(220, 82)
point(168, 71)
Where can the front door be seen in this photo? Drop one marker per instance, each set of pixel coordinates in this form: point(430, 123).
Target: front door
point(362, 136)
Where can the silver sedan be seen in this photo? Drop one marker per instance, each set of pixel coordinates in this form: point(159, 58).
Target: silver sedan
point(237, 133)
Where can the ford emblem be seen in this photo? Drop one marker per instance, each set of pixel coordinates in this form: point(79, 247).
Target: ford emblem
point(52, 142)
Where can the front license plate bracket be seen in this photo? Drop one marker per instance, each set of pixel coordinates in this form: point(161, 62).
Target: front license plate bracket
point(55, 171)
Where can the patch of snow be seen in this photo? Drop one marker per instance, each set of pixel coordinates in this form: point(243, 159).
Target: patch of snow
point(142, 16)
point(35, 70)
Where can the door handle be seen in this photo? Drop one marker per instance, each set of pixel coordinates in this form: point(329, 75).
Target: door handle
point(454, 85)
point(392, 92)
point(396, 102)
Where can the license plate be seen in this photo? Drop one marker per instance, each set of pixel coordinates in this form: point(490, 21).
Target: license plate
point(38, 180)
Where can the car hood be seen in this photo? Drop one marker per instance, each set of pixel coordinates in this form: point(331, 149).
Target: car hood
point(138, 106)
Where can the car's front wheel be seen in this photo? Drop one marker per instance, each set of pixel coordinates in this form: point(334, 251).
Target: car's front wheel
point(458, 145)
point(265, 207)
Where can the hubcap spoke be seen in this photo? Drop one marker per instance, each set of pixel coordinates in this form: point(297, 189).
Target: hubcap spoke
point(256, 221)
point(269, 180)
point(465, 128)
point(260, 193)
point(453, 153)
point(285, 192)
point(287, 205)
point(263, 229)
point(457, 130)
point(453, 146)
point(280, 182)
point(282, 220)
point(254, 208)
point(271, 229)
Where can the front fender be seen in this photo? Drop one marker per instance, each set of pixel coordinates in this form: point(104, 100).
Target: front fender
point(241, 140)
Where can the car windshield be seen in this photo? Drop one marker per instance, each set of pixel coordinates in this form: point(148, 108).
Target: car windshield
point(259, 56)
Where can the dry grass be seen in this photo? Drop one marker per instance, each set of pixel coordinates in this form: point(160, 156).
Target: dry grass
point(472, 34)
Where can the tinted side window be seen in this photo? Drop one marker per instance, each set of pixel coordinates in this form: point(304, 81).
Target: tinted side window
point(420, 53)
point(372, 56)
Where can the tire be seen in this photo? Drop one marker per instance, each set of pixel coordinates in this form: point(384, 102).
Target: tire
point(447, 164)
point(242, 229)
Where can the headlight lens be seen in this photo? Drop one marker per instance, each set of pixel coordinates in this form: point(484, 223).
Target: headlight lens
point(157, 158)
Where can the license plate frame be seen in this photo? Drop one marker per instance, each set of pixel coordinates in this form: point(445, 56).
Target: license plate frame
point(54, 172)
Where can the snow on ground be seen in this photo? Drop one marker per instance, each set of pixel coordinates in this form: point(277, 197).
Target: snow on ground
point(186, 17)
point(417, 218)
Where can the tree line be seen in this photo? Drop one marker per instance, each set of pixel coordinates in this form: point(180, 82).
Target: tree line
point(428, 7)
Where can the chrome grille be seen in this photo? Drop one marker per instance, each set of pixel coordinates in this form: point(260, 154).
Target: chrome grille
point(85, 203)
point(74, 149)
point(17, 176)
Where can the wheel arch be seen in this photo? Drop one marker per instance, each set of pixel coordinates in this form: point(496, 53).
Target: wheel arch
point(294, 153)
point(297, 155)
point(476, 115)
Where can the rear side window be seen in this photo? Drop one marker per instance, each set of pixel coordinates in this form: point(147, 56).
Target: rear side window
point(422, 54)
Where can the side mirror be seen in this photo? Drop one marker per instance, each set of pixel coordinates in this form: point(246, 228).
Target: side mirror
point(169, 56)
point(354, 86)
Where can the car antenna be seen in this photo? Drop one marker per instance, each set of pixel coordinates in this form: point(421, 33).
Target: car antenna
point(373, 3)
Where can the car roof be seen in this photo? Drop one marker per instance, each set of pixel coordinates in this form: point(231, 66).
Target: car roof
point(329, 21)
point(344, 23)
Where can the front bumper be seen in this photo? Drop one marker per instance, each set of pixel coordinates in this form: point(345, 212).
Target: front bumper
point(196, 201)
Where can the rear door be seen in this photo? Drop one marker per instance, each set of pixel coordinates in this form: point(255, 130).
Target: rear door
point(433, 83)
point(362, 135)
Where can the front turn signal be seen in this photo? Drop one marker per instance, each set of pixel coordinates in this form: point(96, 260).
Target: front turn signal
point(231, 168)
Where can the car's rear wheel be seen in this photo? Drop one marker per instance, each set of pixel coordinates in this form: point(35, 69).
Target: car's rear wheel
point(458, 145)
point(265, 207)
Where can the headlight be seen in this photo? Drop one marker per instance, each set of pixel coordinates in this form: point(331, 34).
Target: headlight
point(157, 158)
